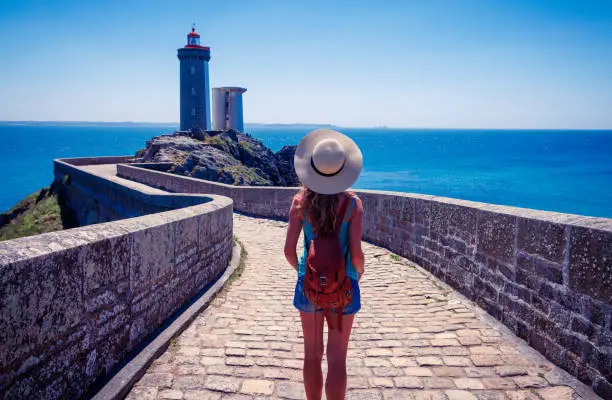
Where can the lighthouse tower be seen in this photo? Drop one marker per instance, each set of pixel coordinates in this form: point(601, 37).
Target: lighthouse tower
point(194, 86)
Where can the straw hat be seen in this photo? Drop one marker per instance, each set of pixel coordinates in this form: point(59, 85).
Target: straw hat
point(327, 161)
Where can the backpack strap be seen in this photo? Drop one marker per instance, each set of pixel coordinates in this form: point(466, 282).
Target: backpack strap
point(353, 201)
point(340, 218)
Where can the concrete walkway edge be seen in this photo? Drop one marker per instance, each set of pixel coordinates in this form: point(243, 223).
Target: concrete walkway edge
point(119, 386)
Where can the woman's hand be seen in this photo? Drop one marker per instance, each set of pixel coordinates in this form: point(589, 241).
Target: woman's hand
point(355, 227)
point(293, 235)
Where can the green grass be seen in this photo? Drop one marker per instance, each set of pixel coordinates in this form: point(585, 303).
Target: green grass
point(246, 146)
point(240, 270)
point(248, 175)
point(38, 213)
point(222, 295)
point(395, 257)
point(215, 140)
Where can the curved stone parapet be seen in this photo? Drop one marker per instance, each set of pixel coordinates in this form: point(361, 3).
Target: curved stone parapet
point(545, 275)
point(74, 303)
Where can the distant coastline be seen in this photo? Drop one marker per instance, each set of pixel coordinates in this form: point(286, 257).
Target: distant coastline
point(152, 124)
point(257, 125)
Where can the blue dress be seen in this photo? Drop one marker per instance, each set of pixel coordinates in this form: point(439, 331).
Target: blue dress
point(299, 299)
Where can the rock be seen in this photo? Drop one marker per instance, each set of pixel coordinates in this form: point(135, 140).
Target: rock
point(222, 156)
point(285, 165)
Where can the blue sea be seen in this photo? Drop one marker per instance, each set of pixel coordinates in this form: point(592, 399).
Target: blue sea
point(565, 171)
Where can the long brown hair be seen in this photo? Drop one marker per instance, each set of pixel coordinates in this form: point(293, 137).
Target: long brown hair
point(320, 209)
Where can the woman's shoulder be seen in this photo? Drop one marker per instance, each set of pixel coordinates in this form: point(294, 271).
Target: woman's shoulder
point(352, 196)
point(356, 205)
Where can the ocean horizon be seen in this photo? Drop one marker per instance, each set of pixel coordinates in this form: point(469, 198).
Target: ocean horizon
point(566, 171)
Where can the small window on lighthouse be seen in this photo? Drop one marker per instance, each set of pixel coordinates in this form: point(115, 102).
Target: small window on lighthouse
point(193, 112)
point(192, 70)
point(193, 92)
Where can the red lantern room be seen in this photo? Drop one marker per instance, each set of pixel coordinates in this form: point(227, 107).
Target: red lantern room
point(193, 40)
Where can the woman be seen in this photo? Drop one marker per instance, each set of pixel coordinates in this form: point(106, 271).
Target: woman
point(327, 163)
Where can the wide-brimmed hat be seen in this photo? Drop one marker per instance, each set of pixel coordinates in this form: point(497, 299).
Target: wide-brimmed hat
point(327, 161)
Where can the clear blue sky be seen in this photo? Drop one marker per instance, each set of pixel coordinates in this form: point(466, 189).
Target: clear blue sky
point(429, 63)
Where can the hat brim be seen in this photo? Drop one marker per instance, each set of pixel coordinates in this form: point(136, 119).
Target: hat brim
point(316, 182)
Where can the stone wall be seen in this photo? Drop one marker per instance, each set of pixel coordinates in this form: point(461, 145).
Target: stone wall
point(76, 161)
point(74, 303)
point(93, 199)
point(545, 275)
point(259, 201)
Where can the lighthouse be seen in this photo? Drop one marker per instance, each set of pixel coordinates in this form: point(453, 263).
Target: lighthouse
point(194, 84)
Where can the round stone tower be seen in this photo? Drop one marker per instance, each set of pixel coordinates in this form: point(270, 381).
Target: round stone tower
point(194, 86)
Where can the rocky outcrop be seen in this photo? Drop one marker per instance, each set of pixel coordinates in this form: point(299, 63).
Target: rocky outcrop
point(228, 157)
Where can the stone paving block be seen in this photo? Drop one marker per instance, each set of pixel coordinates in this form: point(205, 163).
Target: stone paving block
point(379, 382)
point(220, 370)
point(498, 383)
point(469, 383)
point(530, 381)
point(170, 394)
point(142, 393)
point(239, 361)
point(189, 350)
point(439, 383)
point(163, 380)
point(444, 342)
point(249, 372)
point(429, 395)
point(429, 361)
point(486, 360)
point(484, 350)
point(460, 395)
point(189, 382)
point(418, 371)
point(210, 352)
point(469, 340)
point(387, 371)
point(223, 383)
point(408, 382)
point(454, 361)
point(212, 360)
point(357, 384)
point(290, 390)
point(257, 386)
point(556, 393)
point(479, 372)
point(379, 353)
point(234, 352)
point(403, 362)
point(491, 395)
point(522, 395)
point(510, 370)
point(448, 371)
point(376, 362)
point(201, 395)
point(397, 394)
point(369, 394)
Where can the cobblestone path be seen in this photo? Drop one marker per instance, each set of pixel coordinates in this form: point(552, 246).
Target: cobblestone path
point(413, 339)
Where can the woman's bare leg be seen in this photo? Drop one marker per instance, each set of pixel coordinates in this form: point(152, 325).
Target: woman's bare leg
point(312, 327)
point(337, 347)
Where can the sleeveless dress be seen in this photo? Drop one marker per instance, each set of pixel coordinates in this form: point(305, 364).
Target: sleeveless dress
point(299, 299)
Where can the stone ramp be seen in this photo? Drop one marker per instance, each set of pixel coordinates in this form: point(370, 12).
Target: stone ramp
point(415, 338)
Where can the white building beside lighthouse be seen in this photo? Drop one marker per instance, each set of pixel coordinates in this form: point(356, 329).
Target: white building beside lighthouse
point(227, 109)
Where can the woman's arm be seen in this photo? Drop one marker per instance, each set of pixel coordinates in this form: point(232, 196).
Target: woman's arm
point(293, 235)
point(355, 226)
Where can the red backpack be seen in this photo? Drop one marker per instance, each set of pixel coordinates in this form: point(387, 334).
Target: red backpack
point(325, 283)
